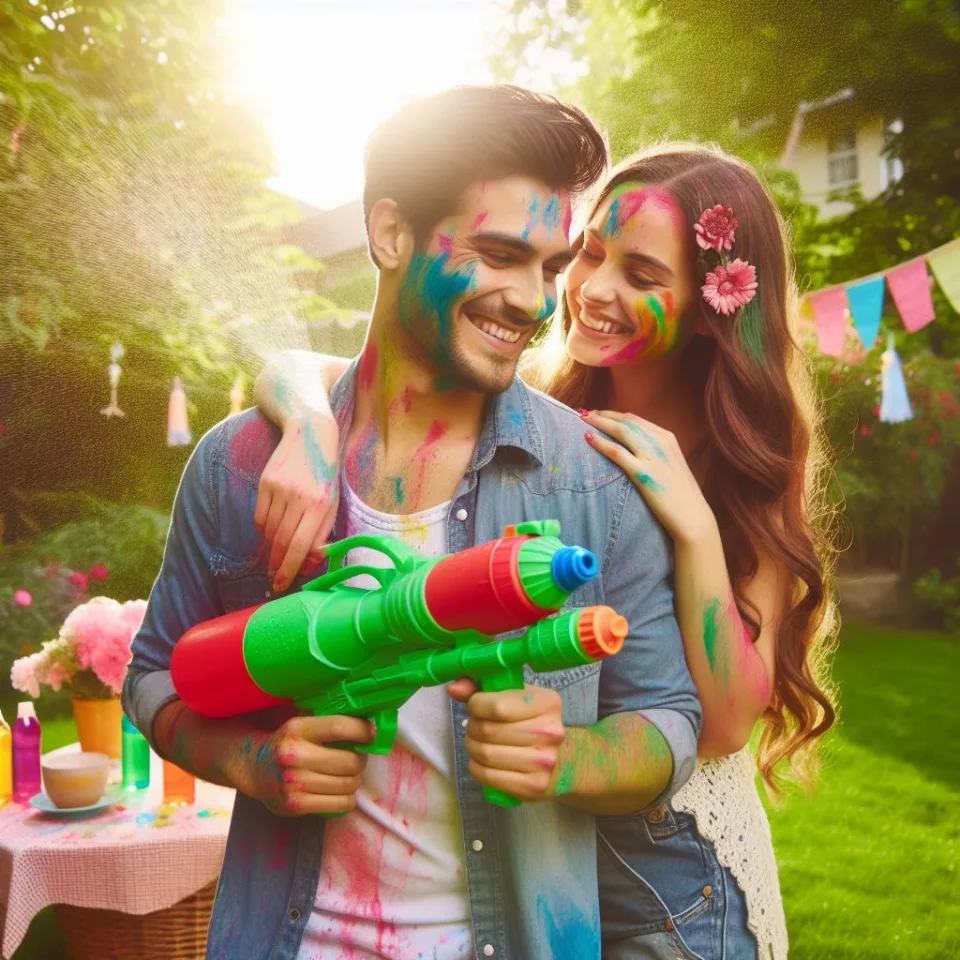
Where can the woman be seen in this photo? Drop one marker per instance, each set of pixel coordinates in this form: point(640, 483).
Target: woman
point(677, 314)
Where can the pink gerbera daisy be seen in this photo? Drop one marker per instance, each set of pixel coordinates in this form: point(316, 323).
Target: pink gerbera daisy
point(731, 287)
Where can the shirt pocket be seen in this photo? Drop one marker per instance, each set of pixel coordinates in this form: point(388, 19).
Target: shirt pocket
point(242, 590)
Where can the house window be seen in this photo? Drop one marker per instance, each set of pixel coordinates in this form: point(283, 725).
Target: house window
point(842, 169)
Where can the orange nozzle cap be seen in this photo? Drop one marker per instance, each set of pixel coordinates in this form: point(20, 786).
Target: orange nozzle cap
point(602, 632)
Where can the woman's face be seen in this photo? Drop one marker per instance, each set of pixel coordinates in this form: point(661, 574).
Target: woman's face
point(629, 287)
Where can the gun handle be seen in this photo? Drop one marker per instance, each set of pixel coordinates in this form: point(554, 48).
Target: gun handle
point(385, 732)
point(508, 679)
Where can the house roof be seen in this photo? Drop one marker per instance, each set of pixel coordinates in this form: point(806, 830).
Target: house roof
point(325, 233)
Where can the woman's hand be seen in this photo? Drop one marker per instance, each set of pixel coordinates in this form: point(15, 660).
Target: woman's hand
point(653, 460)
point(298, 495)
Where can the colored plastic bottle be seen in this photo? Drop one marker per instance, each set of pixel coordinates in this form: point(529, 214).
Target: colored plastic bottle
point(6, 762)
point(179, 787)
point(26, 753)
point(136, 757)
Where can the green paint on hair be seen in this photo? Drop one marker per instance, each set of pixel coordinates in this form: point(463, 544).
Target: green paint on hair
point(751, 328)
point(711, 629)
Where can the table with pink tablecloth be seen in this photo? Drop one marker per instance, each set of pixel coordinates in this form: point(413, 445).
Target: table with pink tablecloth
point(135, 856)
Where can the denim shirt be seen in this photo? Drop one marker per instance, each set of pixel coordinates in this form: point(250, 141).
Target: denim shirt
point(531, 871)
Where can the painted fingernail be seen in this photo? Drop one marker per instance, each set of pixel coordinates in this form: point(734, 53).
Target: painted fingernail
point(583, 413)
point(589, 437)
point(279, 586)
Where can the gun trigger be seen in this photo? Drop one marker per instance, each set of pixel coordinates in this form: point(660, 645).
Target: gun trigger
point(385, 722)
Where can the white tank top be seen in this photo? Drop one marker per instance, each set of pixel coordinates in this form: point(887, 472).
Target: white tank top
point(393, 882)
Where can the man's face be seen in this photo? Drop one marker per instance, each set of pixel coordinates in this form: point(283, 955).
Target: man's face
point(485, 281)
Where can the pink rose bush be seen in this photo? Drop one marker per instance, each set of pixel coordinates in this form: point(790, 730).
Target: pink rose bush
point(91, 653)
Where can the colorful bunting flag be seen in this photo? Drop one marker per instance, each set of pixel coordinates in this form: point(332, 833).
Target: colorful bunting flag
point(945, 264)
point(866, 305)
point(894, 400)
point(910, 289)
point(830, 320)
point(178, 426)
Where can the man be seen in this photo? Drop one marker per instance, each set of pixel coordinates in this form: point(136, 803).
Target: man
point(467, 209)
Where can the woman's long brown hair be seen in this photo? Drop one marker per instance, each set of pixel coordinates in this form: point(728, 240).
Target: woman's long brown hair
point(767, 468)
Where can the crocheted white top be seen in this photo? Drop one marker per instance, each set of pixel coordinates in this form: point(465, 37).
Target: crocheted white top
point(722, 796)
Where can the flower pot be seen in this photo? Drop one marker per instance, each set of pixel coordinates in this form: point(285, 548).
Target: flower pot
point(98, 725)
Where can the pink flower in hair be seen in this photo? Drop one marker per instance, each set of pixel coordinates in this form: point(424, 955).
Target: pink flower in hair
point(715, 228)
point(731, 287)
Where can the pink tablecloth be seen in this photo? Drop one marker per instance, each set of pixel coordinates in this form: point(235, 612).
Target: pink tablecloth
point(136, 856)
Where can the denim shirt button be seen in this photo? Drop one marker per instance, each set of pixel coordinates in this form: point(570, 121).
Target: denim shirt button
point(294, 914)
point(488, 950)
point(461, 514)
point(464, 722)
point(477, 845)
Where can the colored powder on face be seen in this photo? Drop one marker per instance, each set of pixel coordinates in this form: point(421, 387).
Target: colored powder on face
point(567, 214)
point(629, 199)
point(567, 931)
point(711, 633)
point(645, 480)
point(428, 297)
point(478, 221)
point(546, 306)
point(626, 354)
point(531, 218)
point(552, 213)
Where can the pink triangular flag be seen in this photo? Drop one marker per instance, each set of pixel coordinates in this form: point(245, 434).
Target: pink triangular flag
point(830, 320)
point(910, 288)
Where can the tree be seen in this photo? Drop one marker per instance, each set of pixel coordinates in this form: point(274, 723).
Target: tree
point(133, 209)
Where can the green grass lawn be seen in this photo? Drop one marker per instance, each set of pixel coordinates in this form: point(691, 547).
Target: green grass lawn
point(868, 864)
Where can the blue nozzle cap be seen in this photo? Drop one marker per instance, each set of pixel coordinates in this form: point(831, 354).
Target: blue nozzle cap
point(572, 567)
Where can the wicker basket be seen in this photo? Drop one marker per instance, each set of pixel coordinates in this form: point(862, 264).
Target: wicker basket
point(178, 933)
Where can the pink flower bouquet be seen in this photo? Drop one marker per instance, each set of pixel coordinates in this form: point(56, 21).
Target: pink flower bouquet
point(91, 653)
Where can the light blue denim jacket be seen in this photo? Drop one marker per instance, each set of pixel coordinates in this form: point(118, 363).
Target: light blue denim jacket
point(531, 871)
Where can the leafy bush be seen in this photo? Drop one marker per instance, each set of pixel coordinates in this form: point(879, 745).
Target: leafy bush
point(114, 551)
point(943, 595)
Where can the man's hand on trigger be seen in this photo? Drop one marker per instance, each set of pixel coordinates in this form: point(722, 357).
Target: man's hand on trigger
point(294, 771)
point(513, 737)
point(297, 499)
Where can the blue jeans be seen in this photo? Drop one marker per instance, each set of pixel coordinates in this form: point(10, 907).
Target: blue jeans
point(664, 895)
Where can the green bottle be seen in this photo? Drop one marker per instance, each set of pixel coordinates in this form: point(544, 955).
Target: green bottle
point(136, 758)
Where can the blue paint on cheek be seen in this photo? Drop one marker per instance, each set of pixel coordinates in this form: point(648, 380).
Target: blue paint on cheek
point(568, 932)
point(428, 296)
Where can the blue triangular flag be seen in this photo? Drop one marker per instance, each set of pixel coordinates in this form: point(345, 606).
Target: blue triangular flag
point(894, 401)
point(866, 305)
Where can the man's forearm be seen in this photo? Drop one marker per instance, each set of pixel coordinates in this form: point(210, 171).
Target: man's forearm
point(218, 751)
point(620, 765)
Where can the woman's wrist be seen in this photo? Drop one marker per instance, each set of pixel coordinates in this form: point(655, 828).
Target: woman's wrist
point(698, 530)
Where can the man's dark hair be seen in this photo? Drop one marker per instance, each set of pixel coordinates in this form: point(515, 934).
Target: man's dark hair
point(429, 152)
